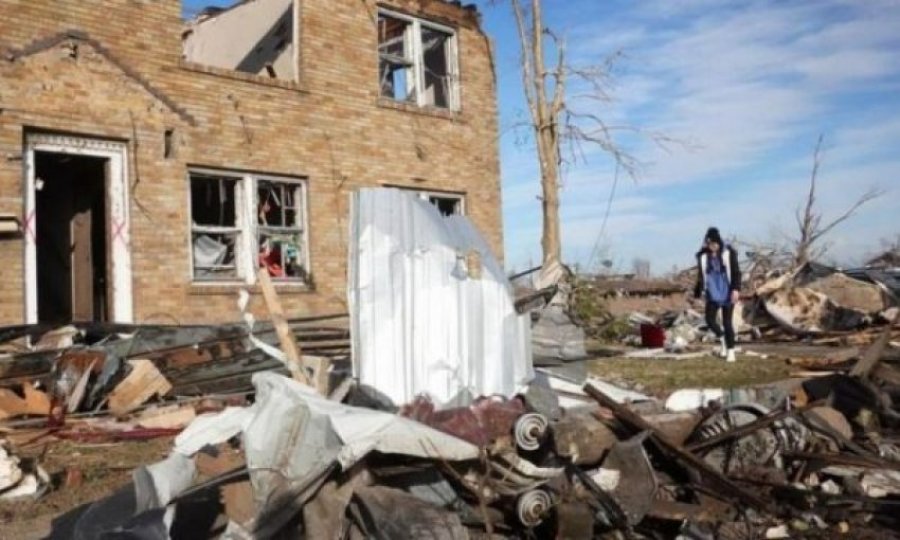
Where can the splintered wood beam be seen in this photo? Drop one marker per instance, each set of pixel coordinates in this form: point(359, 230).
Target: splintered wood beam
point(285, 336)
point(874, 353)
point(713, 478)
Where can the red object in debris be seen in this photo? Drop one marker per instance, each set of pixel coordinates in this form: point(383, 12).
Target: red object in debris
point(485, 421)
point(653, 336)
point(74, 478)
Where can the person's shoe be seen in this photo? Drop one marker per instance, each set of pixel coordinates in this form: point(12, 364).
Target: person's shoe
point(729, 356)
point(723, 352)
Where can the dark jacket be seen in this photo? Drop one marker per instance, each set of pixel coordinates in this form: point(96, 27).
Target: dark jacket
point(730, 260)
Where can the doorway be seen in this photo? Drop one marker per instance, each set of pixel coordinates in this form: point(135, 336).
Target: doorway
point(71, 249)
point(76, 229)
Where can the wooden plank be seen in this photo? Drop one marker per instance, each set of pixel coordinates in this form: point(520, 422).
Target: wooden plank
point(82, 260)
point(140, 385)
point(171, 417)
point(725, 487)
point(34, 402)
point(282, 328)
point(873, 354)
point(320, 366)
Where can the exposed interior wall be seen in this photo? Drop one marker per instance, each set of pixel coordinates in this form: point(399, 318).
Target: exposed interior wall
point(256, 37)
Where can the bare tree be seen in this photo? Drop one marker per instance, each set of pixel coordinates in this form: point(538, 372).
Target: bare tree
point(552, 118)
point(809, 219)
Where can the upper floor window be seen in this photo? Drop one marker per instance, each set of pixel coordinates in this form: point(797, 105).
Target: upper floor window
point(447, 203)
point(417, 61)
point(240, 222)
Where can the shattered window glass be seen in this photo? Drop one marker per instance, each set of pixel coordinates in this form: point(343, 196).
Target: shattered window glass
point(447, 206)
point(279, 229)
point(215, 233)
point(436, 54)
point(396, 66)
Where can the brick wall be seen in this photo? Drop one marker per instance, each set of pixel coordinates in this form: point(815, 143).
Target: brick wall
point(331, 128)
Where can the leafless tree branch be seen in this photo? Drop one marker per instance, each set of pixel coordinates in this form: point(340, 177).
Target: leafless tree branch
point(809, 221)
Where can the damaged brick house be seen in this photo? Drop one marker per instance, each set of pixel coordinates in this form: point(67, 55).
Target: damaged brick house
point(153, 165)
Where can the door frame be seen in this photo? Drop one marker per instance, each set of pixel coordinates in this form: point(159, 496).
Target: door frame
point(118, 223)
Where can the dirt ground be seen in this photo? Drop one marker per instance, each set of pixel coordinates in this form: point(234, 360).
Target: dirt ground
point(80, 473)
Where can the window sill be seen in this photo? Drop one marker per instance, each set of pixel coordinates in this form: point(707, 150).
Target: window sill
point(434, 112)
point(241, 76)
point(232, 287)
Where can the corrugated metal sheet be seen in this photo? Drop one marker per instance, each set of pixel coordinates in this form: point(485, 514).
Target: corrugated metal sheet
point(420, 323)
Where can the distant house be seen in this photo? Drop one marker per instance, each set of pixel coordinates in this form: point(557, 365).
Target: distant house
point(151, 166)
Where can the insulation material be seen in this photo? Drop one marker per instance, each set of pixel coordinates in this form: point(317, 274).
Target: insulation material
point(850, 293)
point(422, 321)
point(804, 310)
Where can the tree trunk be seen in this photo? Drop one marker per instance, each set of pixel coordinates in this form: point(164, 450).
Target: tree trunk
point(551, 242)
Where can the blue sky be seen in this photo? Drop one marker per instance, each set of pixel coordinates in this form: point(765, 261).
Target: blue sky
point(747, 86)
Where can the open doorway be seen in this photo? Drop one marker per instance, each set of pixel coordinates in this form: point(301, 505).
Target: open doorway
point(71, 237)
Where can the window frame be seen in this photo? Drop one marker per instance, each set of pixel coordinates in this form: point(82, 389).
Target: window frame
point(418, 60)
point(238, 228)
point(427, 195)
point(300, 207)
point(246, 205)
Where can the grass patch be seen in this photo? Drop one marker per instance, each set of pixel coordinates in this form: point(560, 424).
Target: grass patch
point(663, 376)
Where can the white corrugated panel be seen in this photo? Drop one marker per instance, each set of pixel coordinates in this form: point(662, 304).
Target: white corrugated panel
point(420, 323)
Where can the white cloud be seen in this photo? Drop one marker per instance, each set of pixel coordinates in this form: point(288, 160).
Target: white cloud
point(749, 84)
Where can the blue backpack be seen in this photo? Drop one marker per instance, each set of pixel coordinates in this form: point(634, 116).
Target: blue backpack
point(718, 289)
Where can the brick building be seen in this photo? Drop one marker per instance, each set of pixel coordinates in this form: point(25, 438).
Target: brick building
point(153, 165)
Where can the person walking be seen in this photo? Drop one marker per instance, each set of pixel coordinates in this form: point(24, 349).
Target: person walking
point(719, 276)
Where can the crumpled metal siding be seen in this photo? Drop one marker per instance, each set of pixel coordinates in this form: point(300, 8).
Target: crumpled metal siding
point(420, 324)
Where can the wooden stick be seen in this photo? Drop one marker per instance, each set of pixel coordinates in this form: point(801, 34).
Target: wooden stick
point(726, 488)
point(747, 429)
point(283, 329)
point(873, 354)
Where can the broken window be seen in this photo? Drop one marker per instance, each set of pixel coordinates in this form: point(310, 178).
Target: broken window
point(448, 205)
point(252, 37)
point(436, 63)
point(279, 229)
point(396, 59)
point(215, 234)
point(417, 61)
point(240, 222)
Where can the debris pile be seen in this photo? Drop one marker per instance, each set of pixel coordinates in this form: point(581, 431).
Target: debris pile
point(823, 460)
point(814, 303)
point(103, 382)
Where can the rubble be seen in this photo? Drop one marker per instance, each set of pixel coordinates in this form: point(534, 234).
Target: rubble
point(556, 332)
point(296, 462)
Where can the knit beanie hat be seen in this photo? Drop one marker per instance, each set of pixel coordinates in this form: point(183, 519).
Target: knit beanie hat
point(712, 235)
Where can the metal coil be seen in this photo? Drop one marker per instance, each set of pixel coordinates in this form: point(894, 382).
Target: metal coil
point(533, 506)
point(530, 431)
